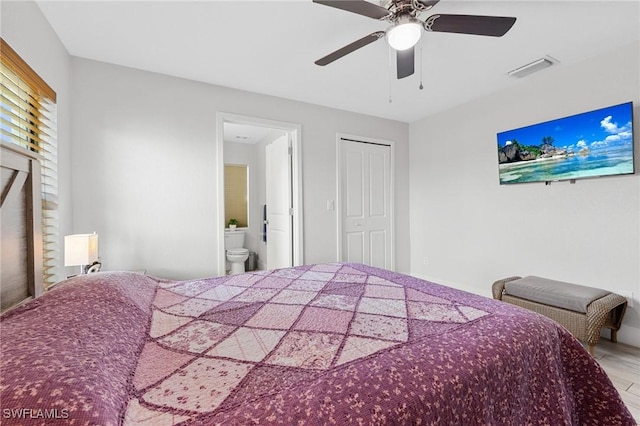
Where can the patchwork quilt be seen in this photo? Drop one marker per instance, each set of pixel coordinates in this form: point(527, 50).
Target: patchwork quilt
point(317, 344)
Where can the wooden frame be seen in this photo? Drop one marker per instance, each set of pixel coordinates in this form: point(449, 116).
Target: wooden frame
point(22, 69)
point(21, 178)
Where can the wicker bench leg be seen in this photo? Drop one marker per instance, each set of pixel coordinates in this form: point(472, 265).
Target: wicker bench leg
point(614, 336)
point(592, 350)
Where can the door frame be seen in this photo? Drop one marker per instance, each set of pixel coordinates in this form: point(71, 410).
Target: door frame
point(295, 130)
point(339, 207)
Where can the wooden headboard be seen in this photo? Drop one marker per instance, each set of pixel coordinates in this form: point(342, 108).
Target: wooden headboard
point(21, 226)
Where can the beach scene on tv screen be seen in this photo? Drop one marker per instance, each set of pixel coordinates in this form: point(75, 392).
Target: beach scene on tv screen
point(595, 143)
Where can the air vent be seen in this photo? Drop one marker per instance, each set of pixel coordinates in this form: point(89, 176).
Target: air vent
point(532, 67)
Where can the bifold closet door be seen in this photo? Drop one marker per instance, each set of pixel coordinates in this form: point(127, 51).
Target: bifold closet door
point(365, 187)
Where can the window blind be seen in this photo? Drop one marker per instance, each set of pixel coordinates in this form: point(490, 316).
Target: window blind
point(28, 118)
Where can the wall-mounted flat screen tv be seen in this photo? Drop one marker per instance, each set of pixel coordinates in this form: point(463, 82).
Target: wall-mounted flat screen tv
point(592, 144)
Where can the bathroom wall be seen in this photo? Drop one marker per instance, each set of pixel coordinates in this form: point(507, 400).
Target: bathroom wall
point(244, 153)
point(253, 155)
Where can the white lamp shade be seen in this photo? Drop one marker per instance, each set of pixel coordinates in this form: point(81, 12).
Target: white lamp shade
point(405, 35)
point(80, 249)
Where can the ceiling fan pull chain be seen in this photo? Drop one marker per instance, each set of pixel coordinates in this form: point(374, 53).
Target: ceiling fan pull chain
point(421, 86)
point(390, 71)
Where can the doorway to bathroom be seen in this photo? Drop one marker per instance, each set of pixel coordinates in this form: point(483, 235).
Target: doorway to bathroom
point(267, 155)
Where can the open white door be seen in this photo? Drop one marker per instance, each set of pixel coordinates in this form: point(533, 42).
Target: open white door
point(279, 205)
point(366, 208)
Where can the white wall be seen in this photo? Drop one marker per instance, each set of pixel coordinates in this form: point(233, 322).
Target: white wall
point(143, 176)
point(144, 167)
point(468, 231)
point(27, 31)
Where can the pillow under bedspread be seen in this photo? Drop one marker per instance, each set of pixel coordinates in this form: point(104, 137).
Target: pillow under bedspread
point(85, 336)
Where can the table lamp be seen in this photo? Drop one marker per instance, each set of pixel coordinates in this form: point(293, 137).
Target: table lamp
point(80, 249)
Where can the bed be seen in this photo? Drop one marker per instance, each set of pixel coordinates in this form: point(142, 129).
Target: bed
point(334, 343)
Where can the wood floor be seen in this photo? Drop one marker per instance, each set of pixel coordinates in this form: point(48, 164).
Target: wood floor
point(622, 364)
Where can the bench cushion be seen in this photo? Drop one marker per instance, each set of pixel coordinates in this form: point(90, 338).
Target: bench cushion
point(560, 294)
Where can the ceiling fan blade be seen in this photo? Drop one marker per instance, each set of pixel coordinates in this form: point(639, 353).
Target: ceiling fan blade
point(428, 3)
point(350, 48)
point(405, 61)
point(495, 26)
point(360, 7)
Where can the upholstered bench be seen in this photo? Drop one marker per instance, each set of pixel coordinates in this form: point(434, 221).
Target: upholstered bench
point(584, 311)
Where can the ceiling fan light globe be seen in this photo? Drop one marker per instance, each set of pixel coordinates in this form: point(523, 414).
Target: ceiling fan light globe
point(404, 36)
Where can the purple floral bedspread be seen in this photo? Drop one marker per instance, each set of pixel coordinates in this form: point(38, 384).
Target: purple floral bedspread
point(318, 344)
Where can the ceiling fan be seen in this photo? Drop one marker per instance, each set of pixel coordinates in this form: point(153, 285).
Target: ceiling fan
point(406, 29)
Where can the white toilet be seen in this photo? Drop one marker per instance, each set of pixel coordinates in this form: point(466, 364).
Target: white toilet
point(236, 254)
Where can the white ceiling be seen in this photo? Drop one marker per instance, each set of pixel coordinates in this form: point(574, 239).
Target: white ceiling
point(249, 134)
point(270, 47)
